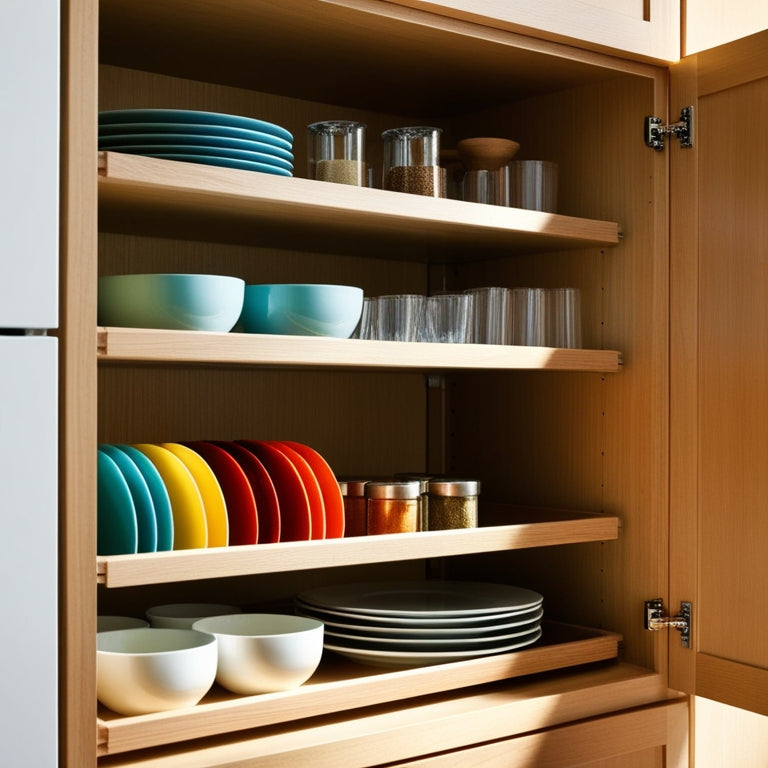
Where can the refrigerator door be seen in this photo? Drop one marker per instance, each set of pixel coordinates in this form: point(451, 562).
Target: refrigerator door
point(29, 163)
point(28, 550)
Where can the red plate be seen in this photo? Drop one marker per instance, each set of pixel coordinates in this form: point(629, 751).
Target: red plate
point(238, 495)
point(311, 486)
point(329, 485)
point(267, 503)
point(295, 519)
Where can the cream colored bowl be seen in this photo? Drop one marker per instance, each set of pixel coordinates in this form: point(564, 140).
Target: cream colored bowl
point(264, 652)
point(152, 670)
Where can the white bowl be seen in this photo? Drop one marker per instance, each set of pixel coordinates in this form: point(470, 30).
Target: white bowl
point(184, 615)
point(264, 652)
point(112, 623)
point(139, 671)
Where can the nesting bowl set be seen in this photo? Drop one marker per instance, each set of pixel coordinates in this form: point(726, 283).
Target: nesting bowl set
point(220, 303)
point(174, 662)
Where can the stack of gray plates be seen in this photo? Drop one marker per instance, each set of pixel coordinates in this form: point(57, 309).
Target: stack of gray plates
point(414, 623)
point(211, 138)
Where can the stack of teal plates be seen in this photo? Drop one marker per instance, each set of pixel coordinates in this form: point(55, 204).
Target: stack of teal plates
point(211, 138)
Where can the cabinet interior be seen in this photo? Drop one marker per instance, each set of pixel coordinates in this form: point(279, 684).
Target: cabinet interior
point(584, 441)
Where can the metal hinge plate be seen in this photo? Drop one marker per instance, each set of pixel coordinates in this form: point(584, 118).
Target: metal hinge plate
point(655, 619)
point(655, 131)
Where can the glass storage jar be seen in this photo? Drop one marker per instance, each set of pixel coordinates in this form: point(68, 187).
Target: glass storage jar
point(412, 161)
point(452, 504)
point(353, 493)
point(336, 152)
point(392, 506)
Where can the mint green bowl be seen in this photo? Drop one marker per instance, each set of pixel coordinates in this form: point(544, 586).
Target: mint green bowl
point(177, 302)
point(302, 309)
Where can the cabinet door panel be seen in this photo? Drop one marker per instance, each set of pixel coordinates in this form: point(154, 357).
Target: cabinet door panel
point(647, 29)
point(719, 368)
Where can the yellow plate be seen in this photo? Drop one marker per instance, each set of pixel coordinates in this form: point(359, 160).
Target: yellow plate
point(213, 497)
point(190, 530)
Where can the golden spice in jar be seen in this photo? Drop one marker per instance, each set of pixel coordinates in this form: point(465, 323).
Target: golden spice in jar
point(392, 506)
point(353, 492)
point(453, 504)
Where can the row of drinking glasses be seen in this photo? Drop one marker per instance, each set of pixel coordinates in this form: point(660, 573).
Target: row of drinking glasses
point(549, 317)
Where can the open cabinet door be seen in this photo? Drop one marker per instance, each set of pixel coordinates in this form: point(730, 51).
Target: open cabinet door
point(719, 375)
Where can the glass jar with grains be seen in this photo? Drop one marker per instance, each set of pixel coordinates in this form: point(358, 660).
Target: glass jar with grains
point(453, 504)
point(336, 152)
point(412, 161)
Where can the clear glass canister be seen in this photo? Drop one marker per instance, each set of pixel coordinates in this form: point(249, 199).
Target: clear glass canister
point(453, 504)
point(412, 161)
point(336, 152)
point(392, 506)
point(353, 493)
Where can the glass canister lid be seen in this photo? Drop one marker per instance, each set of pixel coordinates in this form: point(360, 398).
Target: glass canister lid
point(393, 489)
point(454, 487)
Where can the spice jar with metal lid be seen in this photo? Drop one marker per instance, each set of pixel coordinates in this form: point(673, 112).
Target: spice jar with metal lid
point(392, 506)
point(452, 504)
point(423, 480)
point(336, 152)
point(353, 493)
point(412, 161)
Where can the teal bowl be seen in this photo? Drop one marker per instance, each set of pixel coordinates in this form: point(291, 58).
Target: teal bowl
point(302, 309)
point(172, 301)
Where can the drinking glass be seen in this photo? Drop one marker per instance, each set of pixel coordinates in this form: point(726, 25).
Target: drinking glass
point(563, 318)
point(490, 315)
point(528, 317)
point(533, 185)
point(400, 317)
point(448, 318)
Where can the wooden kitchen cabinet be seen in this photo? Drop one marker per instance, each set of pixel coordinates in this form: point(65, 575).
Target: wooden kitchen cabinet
point(579, 451)
point(643, 29)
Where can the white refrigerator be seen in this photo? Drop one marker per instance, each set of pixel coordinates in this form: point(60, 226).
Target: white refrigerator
point(29, 312)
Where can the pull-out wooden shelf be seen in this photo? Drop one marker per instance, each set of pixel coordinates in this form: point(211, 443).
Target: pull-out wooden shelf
point(531, 528)
point(340, 685)
point(192, 201)
point(159, 346)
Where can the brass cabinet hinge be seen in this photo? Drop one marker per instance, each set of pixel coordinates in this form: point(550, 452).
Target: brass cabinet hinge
point(655, 619)
point(655, 131)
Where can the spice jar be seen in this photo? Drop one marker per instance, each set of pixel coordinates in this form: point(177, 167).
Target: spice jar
point(392, 506)
point(423, 481)
point(412, 161)
point(353, 493)
point(336, 152)
point(453, 504)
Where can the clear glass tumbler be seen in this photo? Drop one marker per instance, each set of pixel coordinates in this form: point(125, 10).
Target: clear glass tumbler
point(336, 152)
point(533, 185)
point(400, 317)
point(528, 317)
point(490, 315)
point(563, 318)
point(448, 318)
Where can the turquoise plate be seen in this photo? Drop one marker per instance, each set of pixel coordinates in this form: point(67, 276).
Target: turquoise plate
point(225, 142)
point(146, 522)
point(192, 116)
point(224, 162)
point(116, 532)
point(232, 154)
point(159, 493)
point(117, 129)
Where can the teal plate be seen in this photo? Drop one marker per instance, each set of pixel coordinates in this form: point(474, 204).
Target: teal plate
point(224, 142)
point(223, 162)
point(159, 493)
point(232, 154)
point(116, 532)
point(192, 116)
point(192, 129)
point(146, 521)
